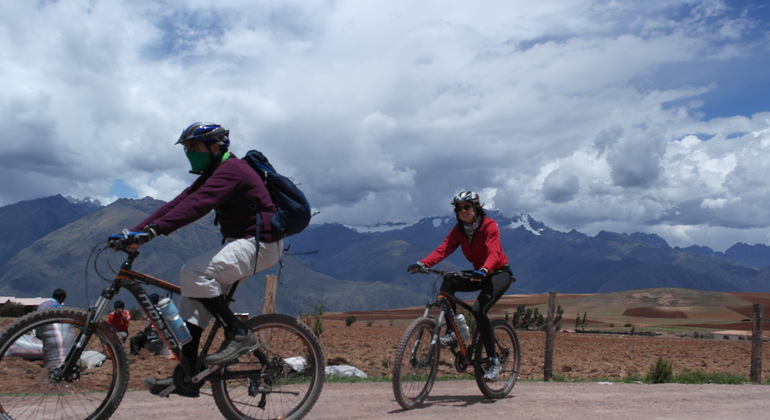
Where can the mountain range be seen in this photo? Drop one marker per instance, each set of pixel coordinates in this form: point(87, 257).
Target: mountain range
point(50, 242)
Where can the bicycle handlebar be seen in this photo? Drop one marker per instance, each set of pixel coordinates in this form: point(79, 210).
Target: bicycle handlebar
point(124, 240)
point(445, 273)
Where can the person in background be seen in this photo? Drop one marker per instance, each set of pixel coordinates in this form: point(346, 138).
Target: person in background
point(119, 319)
point(56, 338)
point(479, 238)
point(57, 300)
point(138, 340)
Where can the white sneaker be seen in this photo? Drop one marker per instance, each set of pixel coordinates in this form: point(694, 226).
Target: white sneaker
point(448, 340)
point(493, 371)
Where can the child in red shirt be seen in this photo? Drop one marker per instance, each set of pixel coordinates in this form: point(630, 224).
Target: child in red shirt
point(119, 319)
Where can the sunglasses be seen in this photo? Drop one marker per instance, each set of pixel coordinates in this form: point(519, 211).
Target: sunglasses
point(195, 146)
point(465, 207)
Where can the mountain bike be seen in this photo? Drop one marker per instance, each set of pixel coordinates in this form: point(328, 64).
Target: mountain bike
point(417, 355)
point(80, 370)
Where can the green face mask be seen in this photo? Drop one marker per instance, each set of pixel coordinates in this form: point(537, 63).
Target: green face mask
point(199, 161)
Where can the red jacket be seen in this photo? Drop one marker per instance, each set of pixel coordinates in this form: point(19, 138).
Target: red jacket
point(483, 249)
point(119, 321)
point(232, 182)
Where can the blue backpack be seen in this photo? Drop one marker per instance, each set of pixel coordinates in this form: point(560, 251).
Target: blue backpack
point(293, 210)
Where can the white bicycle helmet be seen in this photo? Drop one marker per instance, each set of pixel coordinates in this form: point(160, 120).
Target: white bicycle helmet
point(465, 196)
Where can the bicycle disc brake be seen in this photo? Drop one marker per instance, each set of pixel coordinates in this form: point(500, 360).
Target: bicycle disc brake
point(56, 375)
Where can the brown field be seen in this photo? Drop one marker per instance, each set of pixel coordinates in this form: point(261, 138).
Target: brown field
point(676, 314)
point(369, 343)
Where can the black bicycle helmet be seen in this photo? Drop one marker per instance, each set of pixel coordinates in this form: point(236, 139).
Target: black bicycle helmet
point(206, 132)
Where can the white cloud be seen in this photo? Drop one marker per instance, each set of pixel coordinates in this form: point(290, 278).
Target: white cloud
point(586, 114)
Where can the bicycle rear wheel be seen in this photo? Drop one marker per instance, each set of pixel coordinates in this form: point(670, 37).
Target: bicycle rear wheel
point(508, 351)
point(287, 386)
point(32, 349)
point(416, 364)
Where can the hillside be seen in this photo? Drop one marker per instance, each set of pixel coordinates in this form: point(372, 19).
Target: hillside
point(23, 223)
point(345, 268)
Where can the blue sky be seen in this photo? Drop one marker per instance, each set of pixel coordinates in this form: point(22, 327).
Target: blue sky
point(586, 114)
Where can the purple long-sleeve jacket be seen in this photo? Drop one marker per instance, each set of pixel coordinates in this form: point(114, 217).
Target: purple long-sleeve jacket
point(232, 184)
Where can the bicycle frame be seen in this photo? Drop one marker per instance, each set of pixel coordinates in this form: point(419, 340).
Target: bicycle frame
point(446, 314)
point(132, 281)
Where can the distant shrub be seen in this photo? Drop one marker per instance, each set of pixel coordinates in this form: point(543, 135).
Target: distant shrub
point(661, 372)
point(350, 320)
point(136, 313)
point(12, 310)
point(313, 319)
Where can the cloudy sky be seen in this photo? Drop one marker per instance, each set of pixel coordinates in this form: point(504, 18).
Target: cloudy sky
point(620, 115)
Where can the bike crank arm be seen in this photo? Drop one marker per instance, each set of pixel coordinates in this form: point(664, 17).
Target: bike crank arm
point(201, 376)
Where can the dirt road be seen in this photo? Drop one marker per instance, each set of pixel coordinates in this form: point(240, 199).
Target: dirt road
point(529, 400)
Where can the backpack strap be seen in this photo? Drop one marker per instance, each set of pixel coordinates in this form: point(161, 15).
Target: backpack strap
point(257, 241)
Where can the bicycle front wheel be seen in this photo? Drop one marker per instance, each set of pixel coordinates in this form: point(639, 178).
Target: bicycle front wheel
point(416, 364)
point(508, 351)
point(34, 347)
point(283, 383)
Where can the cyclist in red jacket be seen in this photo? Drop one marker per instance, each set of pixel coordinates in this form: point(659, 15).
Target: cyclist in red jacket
point(479, 239)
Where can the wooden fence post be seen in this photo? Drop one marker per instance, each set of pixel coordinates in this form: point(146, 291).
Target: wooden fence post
point(271, 288)
point(549, 337)
point(756, 344)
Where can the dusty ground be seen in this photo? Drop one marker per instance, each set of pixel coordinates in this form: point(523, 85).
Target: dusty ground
point(529, 400)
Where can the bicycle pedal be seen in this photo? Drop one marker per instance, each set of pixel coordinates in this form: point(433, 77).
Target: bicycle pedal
point(167, 391)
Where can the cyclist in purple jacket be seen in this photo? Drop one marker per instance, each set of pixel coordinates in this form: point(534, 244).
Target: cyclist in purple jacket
point(224, 184)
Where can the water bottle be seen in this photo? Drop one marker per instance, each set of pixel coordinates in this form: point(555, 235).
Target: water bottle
point(175, 323)
point(462, 326)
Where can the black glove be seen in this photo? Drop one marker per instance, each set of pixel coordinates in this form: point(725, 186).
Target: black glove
point(138, 238)
point(480, 274)
point(152, 230)
point(123, 240)
point(417, 268)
